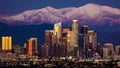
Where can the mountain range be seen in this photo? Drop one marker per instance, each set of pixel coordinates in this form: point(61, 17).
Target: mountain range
point(87, 14)
point(104, 20)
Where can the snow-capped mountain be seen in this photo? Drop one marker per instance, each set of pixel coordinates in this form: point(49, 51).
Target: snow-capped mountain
point(93, 13)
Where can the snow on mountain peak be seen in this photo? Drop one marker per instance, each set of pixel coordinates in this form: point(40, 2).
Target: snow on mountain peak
point(89, 12)
point(49, 7)
point(91, 5)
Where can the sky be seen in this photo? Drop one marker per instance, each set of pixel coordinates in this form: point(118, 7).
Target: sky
point(18, 6)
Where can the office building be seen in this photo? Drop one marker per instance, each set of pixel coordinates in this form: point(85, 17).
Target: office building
point(65, 30)
point(75, 33)
point(45, 51)
point(72, 39)
point(75, 37)
point(54, 41)
point(70, 44)
point(91, 43)
point(84, 29)
point(92, 39)
point(99, 49)
point(32, 46)
point(48, 40)
point(83, 40)
point(105, 53)
point(87, 41)
point(63, 46)
point(58, 30)
point(6, 44)
point(117, 50)
point(16, 49)
point(24, 50)
point(110, 48)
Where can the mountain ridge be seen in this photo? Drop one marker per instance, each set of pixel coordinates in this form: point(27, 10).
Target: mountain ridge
point(85, 14)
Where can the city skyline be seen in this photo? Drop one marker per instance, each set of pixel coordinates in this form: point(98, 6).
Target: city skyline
point(60, 33)
point(63, 42)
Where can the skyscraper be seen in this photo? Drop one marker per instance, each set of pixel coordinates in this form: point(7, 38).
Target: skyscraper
point(48, 41)
point(61, 47)
point(70, 44)
point(84, 29)
point(92, 39)
point(83, 39)
point(6, 44)
point(45, 50)
point(32, 46)
point(54, 42)
point(75, 33)
point(72, 40)
point(58, 30)
point(75, 37)
point(89, 44)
